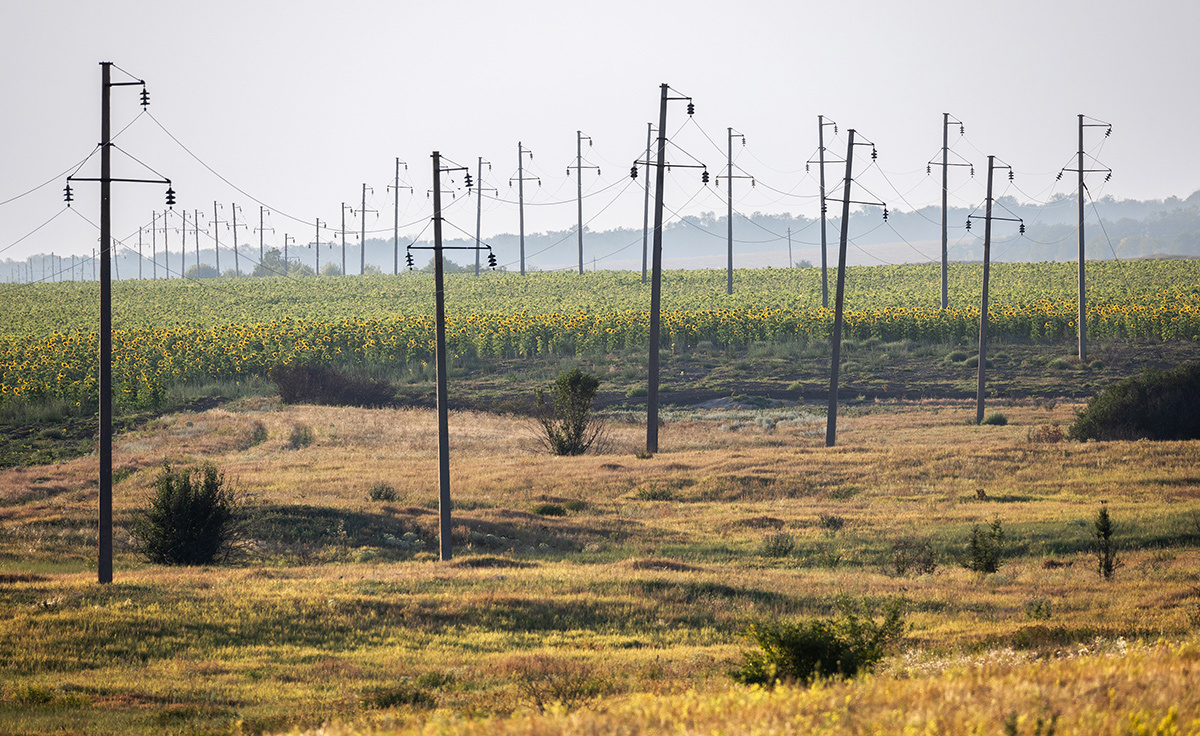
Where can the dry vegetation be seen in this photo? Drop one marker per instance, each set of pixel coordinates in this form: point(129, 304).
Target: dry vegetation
point(622, 613)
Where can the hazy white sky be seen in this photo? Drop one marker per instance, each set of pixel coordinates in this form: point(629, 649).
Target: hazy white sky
point(299, 103)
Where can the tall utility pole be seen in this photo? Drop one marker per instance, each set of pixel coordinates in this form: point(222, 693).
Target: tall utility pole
point(946, 164)
point(344, 206)
point(317, 270)
point(656, 272)
point(396, 217)
point(579, 167)
point(216, 238)
point(237, 269)
point(286, 238)
point(646, 204)
point(479, 187)
point(104, 562)
point(166, 248)
point(362, 239)
point(839, 297)
point(139, 257)
point(262, 253)
point(821, 123)
point(730, 176)
point(983, 303)
point(443, 409)
point(521, 151)
point(1082, 169)
point(154, 246)
point(789, 247)
point(196, 236)
point(182, 243)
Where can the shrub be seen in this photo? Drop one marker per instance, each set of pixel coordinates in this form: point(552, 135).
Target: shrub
point(1106, 550)
point(1156, 405)
point(807, 649)
point(191, 520)
point(302, 436)
point(915, 555)
point(956, 356)
point(568, 683)
point(995, 418)
point(382, 492)
point(549, 509)
point(830, 522)
point(1060, 364)
point(312, 383)
point(1048, 434)
point(779, 544)
point(653, 492)
point(567, 422)
point(984, 548)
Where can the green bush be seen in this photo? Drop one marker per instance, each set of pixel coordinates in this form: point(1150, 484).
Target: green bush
point(984, 548)
point(1156, 405)
point(191, 520)
point(549, 509)
point(568, 426)
point(382, 492)
point(779, 544)
point(1106, 549)
point(812, 648)
point(996, 419)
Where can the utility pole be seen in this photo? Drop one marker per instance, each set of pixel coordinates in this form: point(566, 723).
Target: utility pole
point(317, 270)
point(286, 238)
point(1081, 170)
point(196, 237)
point(216, 238)
point(945, 164)
point(444, 531)
point(104, 562)
point(237, 269)
point(479, 187)
point(154, 246)
point(656, 273)
point(789, 247)
point(521, 151)
point(579, 167)
point(182, 243)
point(821, 123)
point(983, 303)
point(646, 204)
point(729, 176)
point(396, 218)
point(262, 253)
point(362, 240)
point(839, 297)
point(166, 248)
point(344, 236)
point(139, 255)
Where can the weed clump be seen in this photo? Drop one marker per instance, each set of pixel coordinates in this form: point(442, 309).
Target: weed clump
point(302, 436)
point(382, 492)
point(567, 422)
point(812, 648)
point(1156, 405)
point(191, 520)
point(996, 419)
point(779, 544)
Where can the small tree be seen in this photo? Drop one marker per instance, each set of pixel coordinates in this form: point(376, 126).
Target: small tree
point(1106, 549)
point(191, 520)
point(567, 422)
point(984, 548)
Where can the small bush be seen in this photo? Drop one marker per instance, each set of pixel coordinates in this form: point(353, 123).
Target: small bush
point(549, 509)
point(996, 419)
point(808, 649)
point(1156, 405)
point(1106, 549)
point(312, 383)
point(568, 426)
point(653, 492)
point(779, 544)
point(382, 492)
point(191, 520)
point(403, 694)
point(984, 548)
point(1060, 364)
point(910, 555)
point(302, 436)
point(958, 356)
point(830, 522)
point(543, 681)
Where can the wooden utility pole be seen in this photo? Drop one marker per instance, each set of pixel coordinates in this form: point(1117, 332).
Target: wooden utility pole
point(646, 205)
point(821, 174)
point(835, 362)
point(579, 167)
point(444, 531)
point(104, 561)
point(983, 304)
point(1082, 318)
point(656, 278)
point(945, 206)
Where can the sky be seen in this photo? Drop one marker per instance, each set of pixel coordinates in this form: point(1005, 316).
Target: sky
point(296, 105)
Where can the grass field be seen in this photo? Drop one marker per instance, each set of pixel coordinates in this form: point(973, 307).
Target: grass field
point(610, 589)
